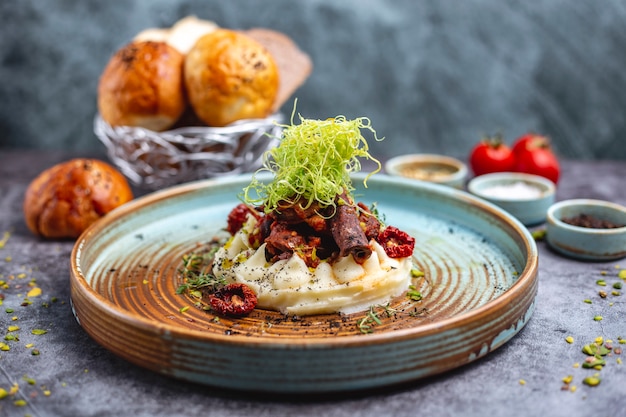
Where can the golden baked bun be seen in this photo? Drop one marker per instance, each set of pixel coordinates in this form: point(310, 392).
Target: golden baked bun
point(182, 36)
point(186, 32)
point(230, 76)
point(65, 199)
point(142, 85)
point(294, 65)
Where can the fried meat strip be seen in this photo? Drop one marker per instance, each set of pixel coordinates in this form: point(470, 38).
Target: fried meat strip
point(345, 227)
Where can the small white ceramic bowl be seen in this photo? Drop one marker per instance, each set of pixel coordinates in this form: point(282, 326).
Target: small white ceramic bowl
point(527, 197)
point(587, 243)
point(438, 169)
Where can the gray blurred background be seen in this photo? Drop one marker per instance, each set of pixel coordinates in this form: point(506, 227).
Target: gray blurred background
point(433, 76)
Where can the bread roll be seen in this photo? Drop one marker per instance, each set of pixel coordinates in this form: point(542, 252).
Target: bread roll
point(153, 34)
point(186, 32)
point(230, 76)
point(294, 65)
point(182, 36)
point(65, 199)
point(142, 85)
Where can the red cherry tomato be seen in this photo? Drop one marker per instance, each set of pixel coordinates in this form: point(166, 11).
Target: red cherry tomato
point(491, 155)
point(534, 155)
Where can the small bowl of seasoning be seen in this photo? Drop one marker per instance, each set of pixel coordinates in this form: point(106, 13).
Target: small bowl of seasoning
point(438, 169)
point(526, 196)
point(586, 229)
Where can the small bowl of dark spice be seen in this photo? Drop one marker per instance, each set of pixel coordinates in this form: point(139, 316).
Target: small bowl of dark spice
point(592, 230)
point(438, 169)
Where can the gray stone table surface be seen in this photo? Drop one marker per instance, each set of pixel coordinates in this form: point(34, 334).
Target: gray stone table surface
point(74, 376)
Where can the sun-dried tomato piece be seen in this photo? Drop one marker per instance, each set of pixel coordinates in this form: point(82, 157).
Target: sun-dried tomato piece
point(397, 244)
point(234, 299)
point(238, 216)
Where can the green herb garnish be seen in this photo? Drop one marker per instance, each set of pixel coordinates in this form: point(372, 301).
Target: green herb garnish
point(376, 213)
point(372, 317)
point(193, 276)
point(312, 163)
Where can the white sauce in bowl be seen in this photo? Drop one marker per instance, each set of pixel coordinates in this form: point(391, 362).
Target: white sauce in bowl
point(518, 190)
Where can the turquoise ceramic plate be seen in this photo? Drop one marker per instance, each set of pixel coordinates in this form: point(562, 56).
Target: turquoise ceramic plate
point(480, 283)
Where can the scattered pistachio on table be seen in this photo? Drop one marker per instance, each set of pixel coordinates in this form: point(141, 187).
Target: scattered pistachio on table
point(18, 290)
point(597, 354)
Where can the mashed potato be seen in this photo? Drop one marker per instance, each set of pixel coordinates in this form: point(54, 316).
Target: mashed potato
point(289, 286)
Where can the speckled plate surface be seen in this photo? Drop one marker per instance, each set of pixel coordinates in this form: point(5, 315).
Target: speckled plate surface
point(479, 288)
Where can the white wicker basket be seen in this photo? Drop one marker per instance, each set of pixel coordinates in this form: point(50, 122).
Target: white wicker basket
point(154, 160)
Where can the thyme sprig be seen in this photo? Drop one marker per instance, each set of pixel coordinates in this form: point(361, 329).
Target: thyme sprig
point(193, 276)
point(372, 318)
point(380, 216)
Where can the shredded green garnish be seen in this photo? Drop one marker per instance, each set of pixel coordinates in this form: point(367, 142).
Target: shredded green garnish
point(312, 163)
